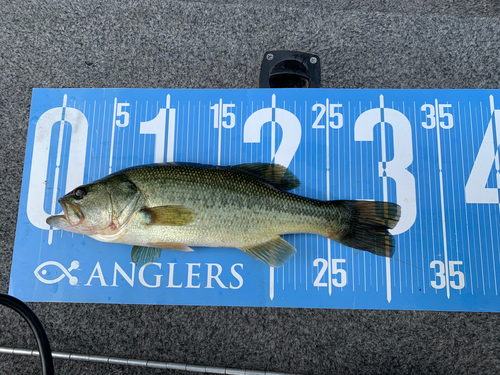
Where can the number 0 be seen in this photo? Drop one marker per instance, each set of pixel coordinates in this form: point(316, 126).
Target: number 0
point(40, 161)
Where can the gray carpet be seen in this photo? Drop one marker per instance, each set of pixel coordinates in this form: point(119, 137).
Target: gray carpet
point(219, 44)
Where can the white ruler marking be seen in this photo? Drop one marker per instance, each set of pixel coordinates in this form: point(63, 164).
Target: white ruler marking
point(220, 132)
point(385, 193)
point(441, 191)
point(112, 136)
point(58, 162)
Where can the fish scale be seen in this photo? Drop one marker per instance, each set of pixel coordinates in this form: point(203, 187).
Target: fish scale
point(230, 209)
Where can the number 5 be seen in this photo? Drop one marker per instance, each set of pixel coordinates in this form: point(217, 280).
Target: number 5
point(232, 117)
point(120, 111)
point(343, 274)
point(460, 274)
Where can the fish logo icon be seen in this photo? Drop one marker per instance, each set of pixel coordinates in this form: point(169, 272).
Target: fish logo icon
point(73, 280)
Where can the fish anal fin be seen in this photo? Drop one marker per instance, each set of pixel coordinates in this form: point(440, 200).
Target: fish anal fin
point(276, 174)
point(168, 215)
point(144, 254)
point(273, 253)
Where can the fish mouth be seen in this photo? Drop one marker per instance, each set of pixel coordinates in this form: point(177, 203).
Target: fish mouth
point(72, 219)
point(73, 213)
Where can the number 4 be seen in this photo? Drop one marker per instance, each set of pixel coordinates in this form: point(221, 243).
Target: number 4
point(487, 158)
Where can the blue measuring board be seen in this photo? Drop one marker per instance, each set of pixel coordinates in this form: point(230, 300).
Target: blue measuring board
point(434, 152)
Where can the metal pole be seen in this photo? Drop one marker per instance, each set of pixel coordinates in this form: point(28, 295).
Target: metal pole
point(142, 363)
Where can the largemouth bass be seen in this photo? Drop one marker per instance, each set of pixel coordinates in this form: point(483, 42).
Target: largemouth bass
point(247, 206)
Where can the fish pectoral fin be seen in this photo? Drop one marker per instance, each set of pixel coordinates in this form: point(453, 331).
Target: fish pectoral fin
point(276, 174)
point(168, 215)
point(143, 254)
point(273, 253)
point(171, 246)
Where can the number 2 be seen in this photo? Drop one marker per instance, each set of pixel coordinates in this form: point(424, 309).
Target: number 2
point(321, 272)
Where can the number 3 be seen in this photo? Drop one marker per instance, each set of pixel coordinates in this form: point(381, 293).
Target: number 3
point(403, 157)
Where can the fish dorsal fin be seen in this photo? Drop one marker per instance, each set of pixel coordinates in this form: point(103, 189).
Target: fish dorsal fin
point(276, 174)
point(168, 215)
point(274, 253)
point(143, 254)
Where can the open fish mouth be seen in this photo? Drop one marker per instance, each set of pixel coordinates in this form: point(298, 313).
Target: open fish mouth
point(72, 212)
point(72, 219)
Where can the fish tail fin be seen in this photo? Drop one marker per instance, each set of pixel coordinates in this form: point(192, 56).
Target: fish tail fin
point(364, 225)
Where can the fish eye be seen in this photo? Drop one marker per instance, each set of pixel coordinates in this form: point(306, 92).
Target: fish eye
point(79, 193)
